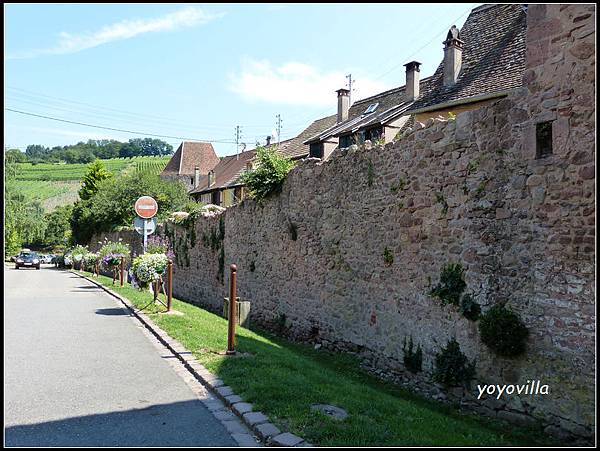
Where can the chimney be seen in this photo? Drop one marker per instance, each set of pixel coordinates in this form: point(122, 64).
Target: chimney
point(453, 48)
point(411, 90)
point(268, 141)
point(196, 176)
point(343, 104)
point(211, 176)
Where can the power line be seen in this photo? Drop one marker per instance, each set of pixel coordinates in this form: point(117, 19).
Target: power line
point(423, 46)
point(118, 129)
point(33, 95)
point(413, 54)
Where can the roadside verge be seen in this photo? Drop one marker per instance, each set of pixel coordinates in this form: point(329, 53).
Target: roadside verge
point(258, 422)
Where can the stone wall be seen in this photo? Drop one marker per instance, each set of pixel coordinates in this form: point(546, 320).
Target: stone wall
point(470, 190)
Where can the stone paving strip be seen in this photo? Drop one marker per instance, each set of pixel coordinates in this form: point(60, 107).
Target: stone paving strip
point(230, 409)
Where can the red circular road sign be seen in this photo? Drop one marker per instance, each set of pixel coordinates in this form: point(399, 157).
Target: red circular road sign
point(146, 207)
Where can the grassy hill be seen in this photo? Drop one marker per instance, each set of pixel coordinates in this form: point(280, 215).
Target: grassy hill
point(58, 184)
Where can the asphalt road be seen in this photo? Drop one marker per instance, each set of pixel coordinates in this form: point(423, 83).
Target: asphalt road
point(79, 371)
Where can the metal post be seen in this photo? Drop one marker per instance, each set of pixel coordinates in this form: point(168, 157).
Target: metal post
point(232, 312)
point(122, 269)
point(145, 233)
point(170, 292)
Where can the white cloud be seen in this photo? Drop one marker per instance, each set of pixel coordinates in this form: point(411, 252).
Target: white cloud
point(295, 83)
point(126, 29)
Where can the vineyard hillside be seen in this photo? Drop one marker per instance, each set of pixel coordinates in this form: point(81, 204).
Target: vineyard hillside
point(58, 184)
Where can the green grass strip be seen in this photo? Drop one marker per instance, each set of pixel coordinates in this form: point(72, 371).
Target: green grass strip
point(284, 379)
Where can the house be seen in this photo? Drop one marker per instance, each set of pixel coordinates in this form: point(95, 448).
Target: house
point(482, 62)
point(295, 148)
point(222, 186)
point(189, 162)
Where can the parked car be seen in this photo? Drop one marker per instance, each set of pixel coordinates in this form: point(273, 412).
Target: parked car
point(46, 258)
point(27, 259)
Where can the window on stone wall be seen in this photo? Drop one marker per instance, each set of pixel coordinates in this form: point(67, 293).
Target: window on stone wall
point(543, 139)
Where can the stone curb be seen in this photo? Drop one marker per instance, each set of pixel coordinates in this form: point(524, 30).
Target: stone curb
point(255, 421)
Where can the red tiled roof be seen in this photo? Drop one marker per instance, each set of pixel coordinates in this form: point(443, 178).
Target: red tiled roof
point(189, 155)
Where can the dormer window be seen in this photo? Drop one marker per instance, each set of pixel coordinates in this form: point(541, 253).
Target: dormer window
point(371, 108)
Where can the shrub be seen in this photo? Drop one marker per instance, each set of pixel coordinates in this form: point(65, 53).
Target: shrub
point(388, 257)
point(413, 360)
point(452, 368)
point(469, 307)
point(269, 175)
point(503, 331)
point(451, 285)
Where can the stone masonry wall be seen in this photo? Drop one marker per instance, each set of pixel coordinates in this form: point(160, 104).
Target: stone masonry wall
point(470, 190)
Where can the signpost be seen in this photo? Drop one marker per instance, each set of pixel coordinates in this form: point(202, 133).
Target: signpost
point(146, 208)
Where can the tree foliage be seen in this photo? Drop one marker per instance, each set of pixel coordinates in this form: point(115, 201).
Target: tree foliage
point(113, 204)
point(15, 155)
point(267, 178)
point(89, 185)
point(58, 229)
point(86, 152)
point(23, 218)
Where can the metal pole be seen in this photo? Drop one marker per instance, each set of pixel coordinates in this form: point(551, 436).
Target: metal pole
point(232, 312)
point(122, 269)
point(145, 234)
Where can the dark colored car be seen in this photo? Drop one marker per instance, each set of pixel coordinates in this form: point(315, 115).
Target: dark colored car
point(27, 260)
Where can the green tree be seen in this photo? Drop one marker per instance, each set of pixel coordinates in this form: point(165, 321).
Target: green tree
point(15, 155)
point(95, 174)
point(269, 175)
point(36, 151)
point(23, 218)
point(113, 204)
point(58, 229)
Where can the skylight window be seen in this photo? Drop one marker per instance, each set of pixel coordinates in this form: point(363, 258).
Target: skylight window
point(371, 108)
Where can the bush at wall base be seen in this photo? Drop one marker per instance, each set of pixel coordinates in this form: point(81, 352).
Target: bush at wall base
point(452, 368)
point(503, 332)
point(413, 360)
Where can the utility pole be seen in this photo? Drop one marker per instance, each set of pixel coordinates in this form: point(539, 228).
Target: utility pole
point(349, 77)
point(238, 135)
point(278, 129)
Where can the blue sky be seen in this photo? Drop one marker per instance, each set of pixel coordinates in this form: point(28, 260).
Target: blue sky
point(196, 71)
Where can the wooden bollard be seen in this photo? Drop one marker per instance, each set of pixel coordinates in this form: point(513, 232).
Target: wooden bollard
point(170, 292)
point(122, 270)
point(232, 312)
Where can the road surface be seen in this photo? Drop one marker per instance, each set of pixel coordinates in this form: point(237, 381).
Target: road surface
point(79, 371)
